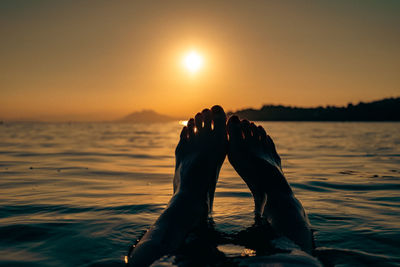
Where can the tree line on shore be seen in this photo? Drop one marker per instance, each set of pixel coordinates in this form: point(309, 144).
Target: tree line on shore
point(387, 109)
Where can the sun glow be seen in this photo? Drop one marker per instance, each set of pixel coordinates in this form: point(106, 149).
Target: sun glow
point(184, 123)
point(193, 61)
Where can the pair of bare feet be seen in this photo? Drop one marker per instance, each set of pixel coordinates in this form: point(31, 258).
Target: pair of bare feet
point(202, 148)
point(204, 143)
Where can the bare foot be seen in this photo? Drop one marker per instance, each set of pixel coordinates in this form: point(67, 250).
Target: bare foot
point(253, 155)
point(200, 154)
point(199, 157)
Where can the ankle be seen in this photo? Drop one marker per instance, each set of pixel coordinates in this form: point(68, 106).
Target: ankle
point(190, 196)
point(275, 183)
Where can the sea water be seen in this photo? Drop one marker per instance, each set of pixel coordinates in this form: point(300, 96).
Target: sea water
point(78, 194)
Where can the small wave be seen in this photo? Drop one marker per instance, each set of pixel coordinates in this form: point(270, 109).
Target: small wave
point(309, 187)
point(85, 154)
point(12, 163)
point(31, 232)
point(355, 187)
point(391, 199)
point(334, 256)
point(137, 176)
point(58, 169)
point(21, 257)
point(10, 211)
point(233, 194)
point(348, 172)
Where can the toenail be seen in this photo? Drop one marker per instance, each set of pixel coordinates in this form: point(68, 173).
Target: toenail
point(217, 109)
point(234, 119)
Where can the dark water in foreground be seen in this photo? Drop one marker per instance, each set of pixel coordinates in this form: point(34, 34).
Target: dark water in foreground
point(78, 194)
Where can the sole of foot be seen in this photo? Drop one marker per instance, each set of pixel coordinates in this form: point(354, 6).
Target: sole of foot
point(253, 155)
point(200, 153)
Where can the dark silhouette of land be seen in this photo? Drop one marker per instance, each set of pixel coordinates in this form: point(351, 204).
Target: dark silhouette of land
point(145, 116)
point(387, 109)
point(382, 110)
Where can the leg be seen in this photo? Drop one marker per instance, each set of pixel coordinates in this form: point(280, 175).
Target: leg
point(199, 156)
point(253, 155)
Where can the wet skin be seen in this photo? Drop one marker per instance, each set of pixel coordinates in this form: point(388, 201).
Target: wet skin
point(199, 157)
point(253, 155)
point(200, 154)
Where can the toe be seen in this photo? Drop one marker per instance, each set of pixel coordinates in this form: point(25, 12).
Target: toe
point(184, 133)
point(182, 141)
point(219, 117)
point(198, 121)
point(245, 125)
point(190, 126)
point(270, 143)
point(207, 119)
point(262, 134)
point(254, 131)
point(234, 130)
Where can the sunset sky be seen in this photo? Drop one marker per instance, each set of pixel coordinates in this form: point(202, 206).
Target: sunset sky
point(95, 60)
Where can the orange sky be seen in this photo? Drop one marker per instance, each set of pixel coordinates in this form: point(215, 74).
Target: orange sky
point(104, 59)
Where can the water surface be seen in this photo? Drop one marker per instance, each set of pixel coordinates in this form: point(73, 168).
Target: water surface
point(80, 193)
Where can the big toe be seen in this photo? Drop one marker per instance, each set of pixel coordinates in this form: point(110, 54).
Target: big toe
point(219, 118)
point(234, 129)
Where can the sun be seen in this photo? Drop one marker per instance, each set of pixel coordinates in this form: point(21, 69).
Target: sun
point(193, 61)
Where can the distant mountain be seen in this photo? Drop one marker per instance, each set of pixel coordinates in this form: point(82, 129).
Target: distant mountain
point(382, 110)
point(146, 116)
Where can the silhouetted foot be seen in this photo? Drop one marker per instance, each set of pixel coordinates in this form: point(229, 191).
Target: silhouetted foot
point(200, 154)
point(253, 155)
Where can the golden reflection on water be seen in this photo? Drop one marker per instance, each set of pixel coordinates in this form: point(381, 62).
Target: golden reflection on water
point(231, 250)
point(248, 252)
point(236, 250)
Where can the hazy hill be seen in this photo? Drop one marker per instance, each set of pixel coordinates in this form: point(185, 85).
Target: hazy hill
point(382, 110)
point(146, 116)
